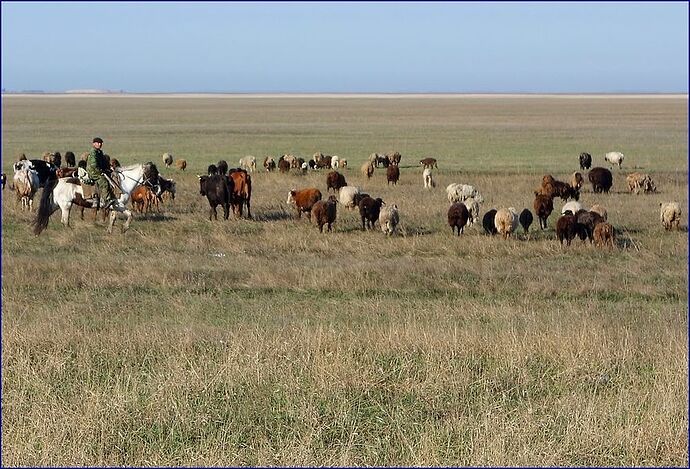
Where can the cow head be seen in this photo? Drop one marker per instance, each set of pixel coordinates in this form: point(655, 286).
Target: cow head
point(202, 184)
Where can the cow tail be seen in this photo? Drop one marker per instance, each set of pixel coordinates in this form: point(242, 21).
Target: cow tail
point(45, 208)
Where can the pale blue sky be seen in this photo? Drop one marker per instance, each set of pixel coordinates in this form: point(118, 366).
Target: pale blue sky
point(346, 47)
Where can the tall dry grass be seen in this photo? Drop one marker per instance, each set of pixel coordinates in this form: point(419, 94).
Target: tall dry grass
point(264, 342)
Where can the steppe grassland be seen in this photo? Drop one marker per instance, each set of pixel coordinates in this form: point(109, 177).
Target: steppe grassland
point(263, 342)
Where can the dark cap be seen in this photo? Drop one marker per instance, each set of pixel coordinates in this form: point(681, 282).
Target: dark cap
point(97, 140)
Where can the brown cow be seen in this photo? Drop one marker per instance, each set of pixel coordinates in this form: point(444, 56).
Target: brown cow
point(143, 199)
point(304, 199)
point(241, 191)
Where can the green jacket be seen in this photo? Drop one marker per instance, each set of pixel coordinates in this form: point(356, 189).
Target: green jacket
point(96, 164)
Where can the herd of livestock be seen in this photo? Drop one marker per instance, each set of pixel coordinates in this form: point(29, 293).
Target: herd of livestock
point(231, 188)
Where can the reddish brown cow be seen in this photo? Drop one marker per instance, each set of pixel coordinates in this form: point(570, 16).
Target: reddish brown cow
point(242, 191)
point(304, 199)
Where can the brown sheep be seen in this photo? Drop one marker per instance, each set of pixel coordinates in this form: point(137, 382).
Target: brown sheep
point(566, 228)
point(601, 179)
point(457, 217)
point(181, 164)
point(576, 181)
point(393, 174)
point(324, 212)
point(367, 169)
point(604, 235)
point(369, 210)
point(543, 206)
point(428, 162)
point(587, 221)
point(335, 180)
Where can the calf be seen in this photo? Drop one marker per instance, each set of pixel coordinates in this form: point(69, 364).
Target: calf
point(241, 191)
point(218, 191)
point(304, 200)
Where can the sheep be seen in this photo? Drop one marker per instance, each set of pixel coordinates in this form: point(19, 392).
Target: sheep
point(343, 163)
point(335, 162)
point(248, 162)
point(212, 170)
point(393, 174)
point(566, 228)
point(488, 222)
point(543, 206)
point(70, 159)
point(472, 210)
point(347, 196)
point(367, 169)
point(269, 164)
point(283, 165)
point(388, 219)
point(604, 235)
point(181, 164)
point(585, 160)
point(394, 158)
point(323, 212)
point(596, 208)
point(369, 210)
point(429, 162)
point(572, 206)
point(167, 159)
point(587, 221)
point(601, 179)
point(457, 217)
point(576, 181)
point(637, 181)
point(526, 219)
point(506, 221)
point(461, 192)
point(428, 177)
point(614, 157)
point(670, 215)
point(335, 181)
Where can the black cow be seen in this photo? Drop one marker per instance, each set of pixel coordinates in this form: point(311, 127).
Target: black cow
point(218, 191)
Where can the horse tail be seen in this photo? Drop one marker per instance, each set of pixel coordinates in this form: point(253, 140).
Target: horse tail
point(45, 208)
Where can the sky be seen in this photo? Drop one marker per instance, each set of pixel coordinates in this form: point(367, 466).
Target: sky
point(346, 47)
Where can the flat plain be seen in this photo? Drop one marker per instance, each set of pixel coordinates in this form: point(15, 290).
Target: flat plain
point(186, 341)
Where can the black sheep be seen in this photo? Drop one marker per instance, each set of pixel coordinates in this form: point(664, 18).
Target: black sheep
point(369, 210)
point(601, 179)
point(488, 222)
point(526, 219)
point(457, 217)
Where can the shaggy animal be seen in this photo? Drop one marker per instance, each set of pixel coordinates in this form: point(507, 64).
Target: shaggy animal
point(571, 206)
point(212, 170)
point(324, 162)
point(543, 206)
point(461, 192)
point(457, 217)
point(70, 160)
point(248, 162)
point(585, 161)
point(181, 164)
point(614, 157)
point(369, 210)
point(472, 210)
point(376, 159)
point(335, 162)
point(343, 163)
point(670, 215)
point(488, 222)
point(269, 164)
point(599, 209)
point(323, 212)
point(550, 187)
point(367, 169)
point(222, 167)
point(26, 184)
point(604, 235)
point(389, 217)
point(394, 158)
point(393, 174)
point(637, 181)
point(53, 158)
point(566, 228)
point(167, 159)
point(348, 196)
point(3, 180)
point(283, 165)
point(587, 221)
point(303, 200)
point(335, 180)
point(576, 181)
point(240, 191)
point(428, 177)
point(429, 162)
point(601, 179)
point(506, 221)
point(44, 170)
point(526, 219)
point(218, 191)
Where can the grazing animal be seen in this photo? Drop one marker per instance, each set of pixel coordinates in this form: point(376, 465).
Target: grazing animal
point(70, 160)
point(587, 221)
point(248, 162)
point(369, 209)
point(283, 165)
point(473, 210)
point(428, 177)
point(526, 219)
point(543, 206)
point(585, 161)
point(670, 215)
point(143, 198)
point(604, 235)
point(506, 221)
point(240, 191)
point(461, 192)
point(335, 162)
point(217, 189)
point(637, 181)
point(25, 186)
point(393, 174)
point(44, 170)
point(303, 200)
point(167, 159)
point(614, 157)
point(324, 212)
point(488, 222)
point(389, 217)
point(566, 228)
point(571, 206)
point(3, 180)
point(457, 217)
point(348, 196)
point(167, 186)
point(222, 167)
point(376, 159)
point(394, 158)
point(601, 179)
point(367, 169)
point(212, 170)
point(335, 180)
point(269, 164)
point(181, 164)
point(343, 163)
point(53, 158)
point(576, 181)
point(429, 162)
point(596, 208)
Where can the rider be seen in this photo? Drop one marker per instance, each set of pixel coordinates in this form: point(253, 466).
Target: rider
point(97, 166)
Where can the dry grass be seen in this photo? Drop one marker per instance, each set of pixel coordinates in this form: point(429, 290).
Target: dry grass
point(189, 342)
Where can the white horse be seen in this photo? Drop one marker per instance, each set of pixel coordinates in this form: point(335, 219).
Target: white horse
point(65, 192)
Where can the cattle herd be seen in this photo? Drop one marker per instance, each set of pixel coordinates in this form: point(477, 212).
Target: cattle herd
point(232, 188)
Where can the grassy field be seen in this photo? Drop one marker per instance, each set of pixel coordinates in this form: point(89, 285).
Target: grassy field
point(264, 342)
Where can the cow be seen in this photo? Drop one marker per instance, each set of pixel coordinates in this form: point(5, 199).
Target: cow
point(303, 199)
point(335, 180)
point(218, 191)
point(241, 190)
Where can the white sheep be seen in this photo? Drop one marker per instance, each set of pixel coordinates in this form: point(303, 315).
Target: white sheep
point(461, 192)
point(428, 178)
point(388, 219)
point(573, 206)
point(335, 162)
point(348, 195)
point(472, 210)
point(506, 221)
point(670, 214)
point(248, 162)
point(614, 157)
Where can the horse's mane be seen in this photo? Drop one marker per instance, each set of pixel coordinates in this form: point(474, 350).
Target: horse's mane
point(131, 167)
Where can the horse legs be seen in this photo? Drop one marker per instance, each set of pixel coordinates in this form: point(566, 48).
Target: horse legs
point(65, 210)
point(125, 226)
